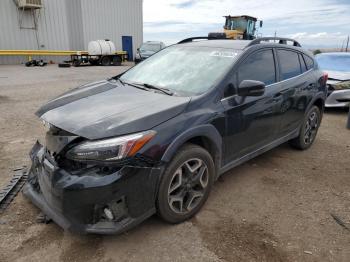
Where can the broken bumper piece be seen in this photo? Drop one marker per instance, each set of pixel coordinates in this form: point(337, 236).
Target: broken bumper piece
point(92, 203)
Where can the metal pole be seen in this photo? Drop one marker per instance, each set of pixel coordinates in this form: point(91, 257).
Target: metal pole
point(347, 45)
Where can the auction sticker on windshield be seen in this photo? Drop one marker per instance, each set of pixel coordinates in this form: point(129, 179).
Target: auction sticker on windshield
point(223, 53)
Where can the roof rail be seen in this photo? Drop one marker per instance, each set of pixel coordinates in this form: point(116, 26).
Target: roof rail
point(187, 40)
point(281, 40)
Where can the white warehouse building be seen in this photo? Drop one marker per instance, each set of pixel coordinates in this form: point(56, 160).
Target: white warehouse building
point(68, 25)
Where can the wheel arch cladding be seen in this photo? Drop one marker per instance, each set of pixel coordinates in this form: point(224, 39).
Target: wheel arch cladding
point(319, 102)
point(205, 136)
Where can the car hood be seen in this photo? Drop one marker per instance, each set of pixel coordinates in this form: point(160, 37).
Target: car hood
point(338, 75)
point(107, 108)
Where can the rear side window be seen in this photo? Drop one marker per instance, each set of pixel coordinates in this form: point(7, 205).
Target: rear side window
point(302, 63)
point(259, 66)
point(289, 64)
point(309, 62)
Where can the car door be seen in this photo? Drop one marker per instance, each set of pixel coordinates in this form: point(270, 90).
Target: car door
point(297, 84)
point(251, 122)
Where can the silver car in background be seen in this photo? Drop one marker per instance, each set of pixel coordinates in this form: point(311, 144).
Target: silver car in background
point(148, 49)
point(337, 65)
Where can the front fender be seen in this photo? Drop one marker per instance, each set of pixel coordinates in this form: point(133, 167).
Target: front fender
point(208, 131)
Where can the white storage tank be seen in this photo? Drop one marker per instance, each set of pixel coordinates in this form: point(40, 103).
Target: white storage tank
point(101, 47)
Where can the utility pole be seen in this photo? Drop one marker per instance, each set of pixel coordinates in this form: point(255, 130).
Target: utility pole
point(347, 45)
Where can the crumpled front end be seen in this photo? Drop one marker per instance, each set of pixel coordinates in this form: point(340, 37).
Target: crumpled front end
point(338, 98)
point(89, 198)
point(338, 93)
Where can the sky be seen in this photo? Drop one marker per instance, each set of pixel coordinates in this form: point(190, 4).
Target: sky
point(314, 23)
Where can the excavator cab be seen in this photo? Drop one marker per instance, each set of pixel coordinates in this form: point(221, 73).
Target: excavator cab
point(240, 27)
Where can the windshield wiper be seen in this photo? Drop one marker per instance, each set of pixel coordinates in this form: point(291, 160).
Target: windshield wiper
point(147, 87)
point(139, 86)
point(162, 89)
point(121, 81)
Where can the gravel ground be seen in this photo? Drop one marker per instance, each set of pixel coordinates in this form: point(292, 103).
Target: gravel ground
point(276, 207)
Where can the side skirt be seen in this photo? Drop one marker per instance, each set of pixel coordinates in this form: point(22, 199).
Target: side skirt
point(259, 151)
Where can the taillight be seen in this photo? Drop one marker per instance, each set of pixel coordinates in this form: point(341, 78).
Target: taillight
point(325, 77)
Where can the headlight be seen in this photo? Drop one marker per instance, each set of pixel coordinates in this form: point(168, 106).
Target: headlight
point(111, 149)
point(47, 125)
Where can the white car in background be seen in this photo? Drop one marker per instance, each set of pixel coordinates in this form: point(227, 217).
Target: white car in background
point(337, 65)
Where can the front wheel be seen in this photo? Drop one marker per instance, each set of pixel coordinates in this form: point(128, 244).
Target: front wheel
point(308, 130)
point(185, 184)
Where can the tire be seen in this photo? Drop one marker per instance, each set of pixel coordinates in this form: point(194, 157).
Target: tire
point(176, 187)
point(217, 35)
point(117, 61)
point(29, 63)
point(64, 65)
point(76, 62)
point(93, 62)
point(106, 61)
point(309, 128)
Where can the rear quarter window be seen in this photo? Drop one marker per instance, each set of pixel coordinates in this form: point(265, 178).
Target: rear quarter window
point(289, 64)
point(302, 63)
point(309, 62)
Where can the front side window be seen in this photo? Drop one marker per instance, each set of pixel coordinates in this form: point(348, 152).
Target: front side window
point(185, 70)
point(289, 64)
point(259, 66)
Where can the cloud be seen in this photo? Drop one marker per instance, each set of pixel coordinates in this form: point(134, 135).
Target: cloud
point(185, 4)
point(321, 39)
point(285, 16)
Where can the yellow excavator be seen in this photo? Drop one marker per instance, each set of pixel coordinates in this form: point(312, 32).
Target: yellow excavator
point(238, 27)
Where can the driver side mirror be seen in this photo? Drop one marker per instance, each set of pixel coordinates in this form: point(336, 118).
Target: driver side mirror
point(251, 88)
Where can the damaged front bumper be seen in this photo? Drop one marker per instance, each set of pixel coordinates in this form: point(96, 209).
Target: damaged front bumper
point(91, 203)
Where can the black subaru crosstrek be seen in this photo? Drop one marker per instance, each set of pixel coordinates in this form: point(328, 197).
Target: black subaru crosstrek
point(155, 138)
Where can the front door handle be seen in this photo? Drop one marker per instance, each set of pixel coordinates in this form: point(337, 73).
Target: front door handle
point(280, 93)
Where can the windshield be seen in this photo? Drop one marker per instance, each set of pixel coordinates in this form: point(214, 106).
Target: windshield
point(236, 24)
point(336, 62)
point(183, 69)
point(150, 47)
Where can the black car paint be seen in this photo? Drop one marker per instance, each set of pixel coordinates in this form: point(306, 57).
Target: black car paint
point(116, 110)
point(233, 129)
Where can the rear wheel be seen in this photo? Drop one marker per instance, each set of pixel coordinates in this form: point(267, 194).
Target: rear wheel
point(308, 130)
point(185, 184)
point(117, 61)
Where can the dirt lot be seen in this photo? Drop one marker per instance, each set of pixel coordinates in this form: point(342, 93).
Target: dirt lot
point(276, 207)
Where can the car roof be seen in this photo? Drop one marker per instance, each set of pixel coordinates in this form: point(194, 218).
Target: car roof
point(152, 42)
point(222, 43)
point(239, 44)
